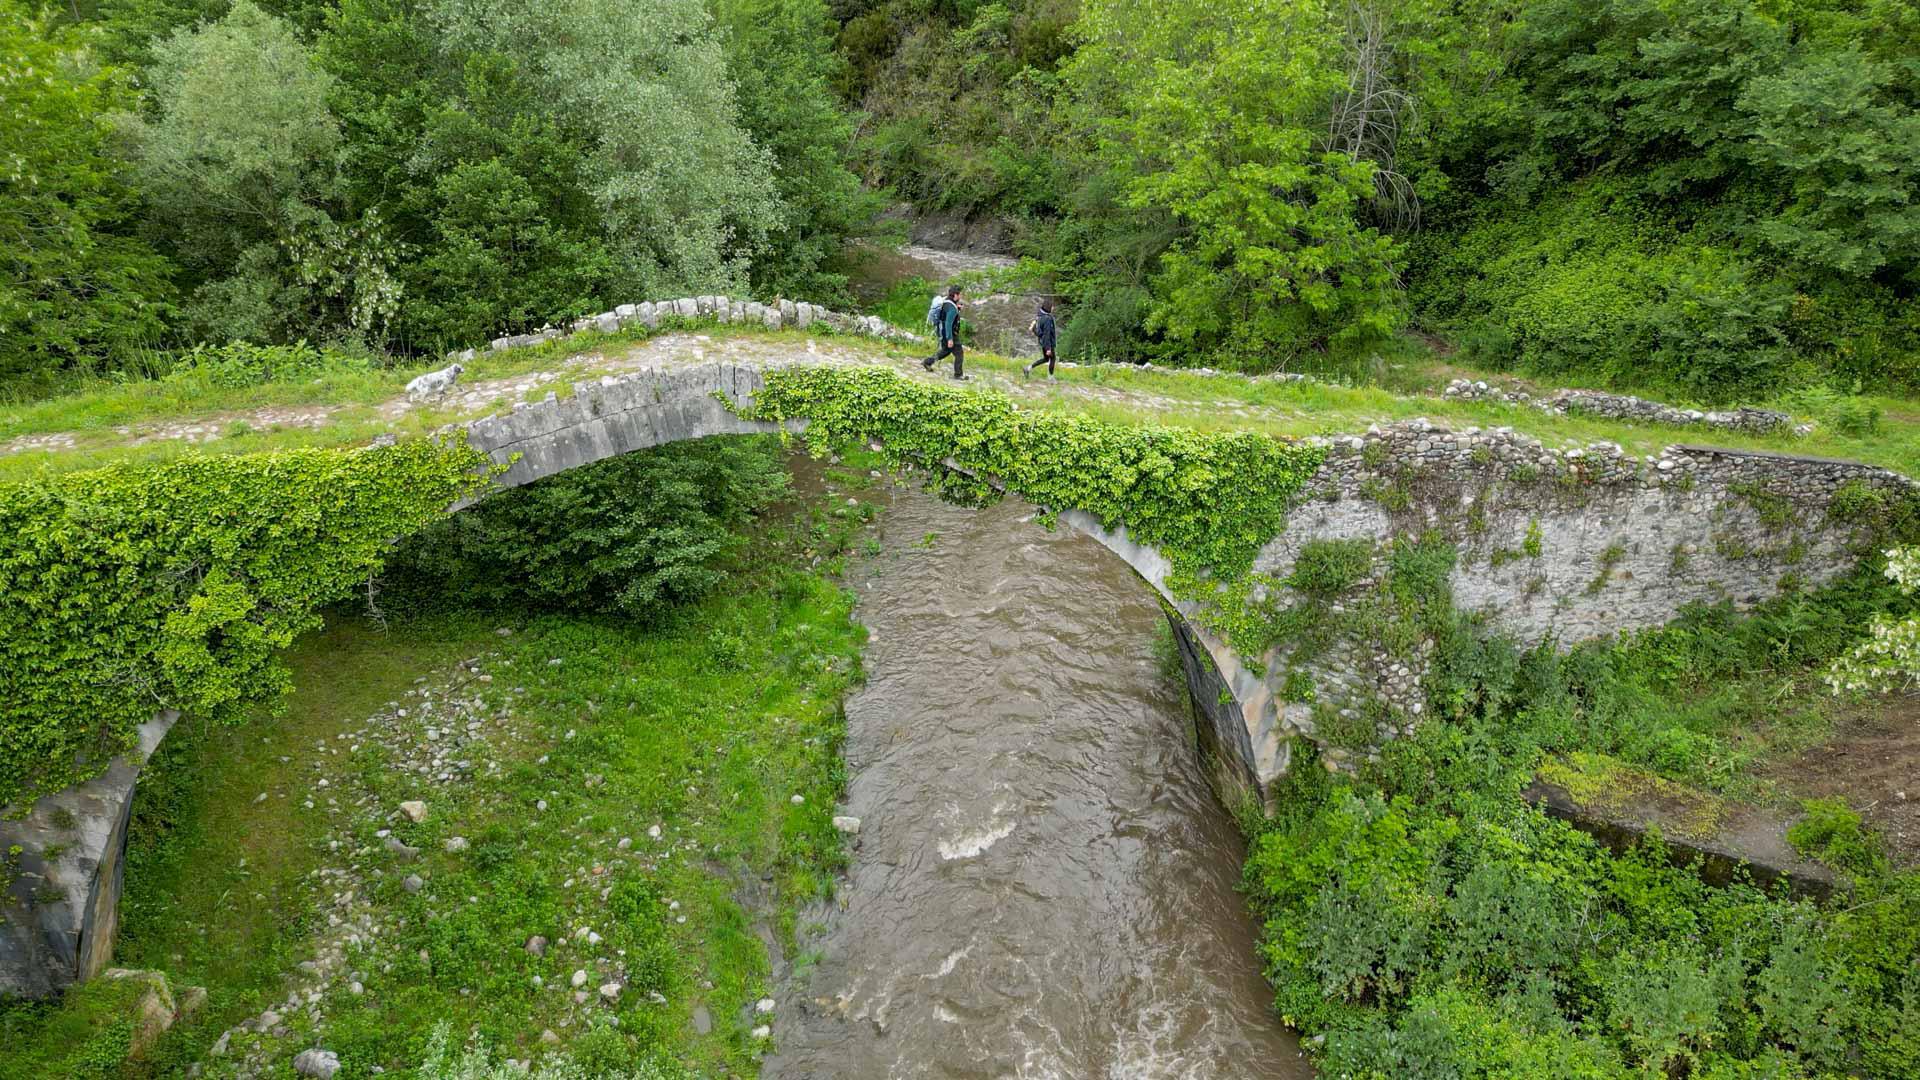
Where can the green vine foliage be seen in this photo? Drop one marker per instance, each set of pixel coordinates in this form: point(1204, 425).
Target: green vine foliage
point(131, 588)
point(1207, 501)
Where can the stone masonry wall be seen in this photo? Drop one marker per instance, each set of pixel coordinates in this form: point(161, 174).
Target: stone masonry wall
point(1553, 545)
point(60, 896)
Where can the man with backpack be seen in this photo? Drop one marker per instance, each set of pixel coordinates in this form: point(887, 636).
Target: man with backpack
point(1043, 330)
point(944, 316)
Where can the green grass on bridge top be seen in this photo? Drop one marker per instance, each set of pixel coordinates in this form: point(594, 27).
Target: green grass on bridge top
point(103, 421)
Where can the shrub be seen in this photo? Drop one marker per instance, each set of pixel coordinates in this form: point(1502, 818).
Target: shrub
point(1830, 832)
point(634, 535)
point(1847, 414)
point(241, 364)
point(1328, 567)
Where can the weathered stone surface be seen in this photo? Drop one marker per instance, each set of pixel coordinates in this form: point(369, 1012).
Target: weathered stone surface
point(61, 908)
point(1626, 407)
point(153, 1010)
point(319, 1064)
point(1752, 838)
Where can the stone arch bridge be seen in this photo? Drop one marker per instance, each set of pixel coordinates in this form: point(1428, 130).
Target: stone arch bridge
point(1563, 545)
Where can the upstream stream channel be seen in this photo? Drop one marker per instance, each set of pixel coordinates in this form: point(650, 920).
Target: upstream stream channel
point(1043, 883)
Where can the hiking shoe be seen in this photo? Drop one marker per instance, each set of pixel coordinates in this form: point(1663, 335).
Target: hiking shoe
point(1026, 373)
point(926, 365)
point(962, 378)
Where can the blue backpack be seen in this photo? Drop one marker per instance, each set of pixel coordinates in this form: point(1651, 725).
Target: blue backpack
point(933, 310)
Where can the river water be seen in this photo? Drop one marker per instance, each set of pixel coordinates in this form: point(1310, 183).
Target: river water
point(1043, 884)
point(994, 321)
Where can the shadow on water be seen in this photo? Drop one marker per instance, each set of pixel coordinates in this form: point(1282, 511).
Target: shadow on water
point(1043, 884)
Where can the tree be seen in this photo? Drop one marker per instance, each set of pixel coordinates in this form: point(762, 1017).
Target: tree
point(75, 290)
point(1222, 116)
point(239, 168)
point(780, 54)
point(685, 199)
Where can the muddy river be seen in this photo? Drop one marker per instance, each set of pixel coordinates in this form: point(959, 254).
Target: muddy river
point(1043, 884)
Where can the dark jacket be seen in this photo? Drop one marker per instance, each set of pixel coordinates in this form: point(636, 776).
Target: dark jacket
point(948, 328)
point(1044, 330)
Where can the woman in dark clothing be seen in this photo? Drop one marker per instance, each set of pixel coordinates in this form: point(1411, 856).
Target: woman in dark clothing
point(1044, 331)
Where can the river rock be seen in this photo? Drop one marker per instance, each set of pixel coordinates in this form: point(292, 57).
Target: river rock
point(537, 945)
point(153, 1009)
point(456, 844)
point(610, 991)
point(847, 824)
point(579, 978)
point(321, 1064)
point(415, 810)
point(412, 883)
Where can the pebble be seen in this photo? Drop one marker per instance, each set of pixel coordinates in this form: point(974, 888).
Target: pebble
point(797, 800)
point(625, 844)
point(412, 883)
point(456, 843)
point(537, 945)
point(579, 978)
point(847, 824)
point(415, 810)
point(763, 1032)
point(610, 991)
point(541, 805)
point(763, 1006)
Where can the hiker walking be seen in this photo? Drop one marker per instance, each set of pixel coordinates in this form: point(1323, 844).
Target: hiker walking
point(1043, 330)
point(945, 317)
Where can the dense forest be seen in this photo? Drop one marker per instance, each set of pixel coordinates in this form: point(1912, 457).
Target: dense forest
point(1712, 198)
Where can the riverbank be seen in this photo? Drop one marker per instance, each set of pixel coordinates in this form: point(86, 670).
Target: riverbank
point(1421, 915)
point(558, 834)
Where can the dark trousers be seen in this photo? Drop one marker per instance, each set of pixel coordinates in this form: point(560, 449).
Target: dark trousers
point(1046, 358)
point(955, 350)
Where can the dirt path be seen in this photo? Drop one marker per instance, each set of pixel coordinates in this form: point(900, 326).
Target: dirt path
point(1873, 762)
